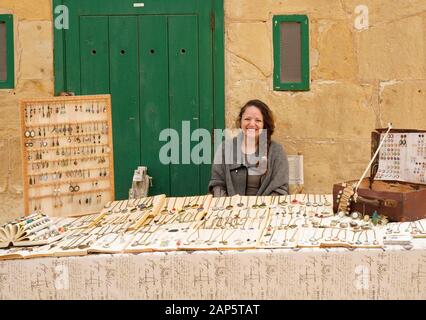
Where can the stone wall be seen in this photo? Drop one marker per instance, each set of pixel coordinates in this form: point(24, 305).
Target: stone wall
point(33, 78)
point(360, 81)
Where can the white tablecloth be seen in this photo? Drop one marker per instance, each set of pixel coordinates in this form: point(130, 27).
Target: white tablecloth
point(393, 273)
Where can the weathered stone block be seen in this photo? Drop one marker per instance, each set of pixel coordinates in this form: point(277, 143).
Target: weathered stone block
point(394, 50)
point(380, 12)
point(11, 207)
point(336, 52)
point(262, 9)
point(330, 161)
point(29, 9)
point(15, 164)
point(258, 52)
point(27, 89)
point(247, 10)
point(332, 110)
point(403, 104)
point(9, 120)
point(36, 50)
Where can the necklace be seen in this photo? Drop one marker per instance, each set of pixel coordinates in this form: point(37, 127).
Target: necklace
point(108, 204)
point(150, 203)
point(272, 205)
point(375, 242)
point(263, 204)
point(146, 243)
point(225, 240)
point(215, 207)
point(255, 206)
point(272, 235)
point(119, 207)
point(351, 242)
point(330, 236)
point(320, 204)
point(124, 210)
point(196, 230)
point(142, 205)
point(195, 205)
point(284, 243)
point(302, 202)
point(182, 208)
point(313, 238)
point(216, 204)
point(358, 242)
point(165, 208)
point(283, 202)
point(229, 206)
point(240, 203)
point(326, 202)
point(315, 204)
point(209, 240)
point(263, 213)
point(201, 207)
point(366, 242)
point(111, 210)
point(293, 238)
point(185, 206)
point(172, 210)
point(421, 226)
point(142, 235)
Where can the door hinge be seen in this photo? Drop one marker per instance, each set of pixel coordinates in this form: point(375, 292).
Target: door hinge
point(212, 21)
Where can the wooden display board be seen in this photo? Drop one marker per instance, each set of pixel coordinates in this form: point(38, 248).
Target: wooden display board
point(67, 154)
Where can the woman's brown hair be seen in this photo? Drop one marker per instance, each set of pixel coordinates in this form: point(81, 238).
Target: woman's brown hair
point(268, 117)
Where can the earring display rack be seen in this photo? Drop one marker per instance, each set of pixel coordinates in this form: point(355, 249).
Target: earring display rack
point(403, 158)
point(67, 154)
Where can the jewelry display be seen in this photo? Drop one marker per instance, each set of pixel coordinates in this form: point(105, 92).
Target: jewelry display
point(403, 158)
point(415, 229)
point(67, 154)
point(164, 224)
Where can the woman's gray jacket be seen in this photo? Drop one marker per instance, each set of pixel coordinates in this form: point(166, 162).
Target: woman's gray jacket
point(229, 171)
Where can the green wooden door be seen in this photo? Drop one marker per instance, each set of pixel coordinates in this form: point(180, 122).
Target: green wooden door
point(158, 63)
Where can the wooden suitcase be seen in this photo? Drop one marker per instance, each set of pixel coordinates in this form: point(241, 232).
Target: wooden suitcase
point(398, 200)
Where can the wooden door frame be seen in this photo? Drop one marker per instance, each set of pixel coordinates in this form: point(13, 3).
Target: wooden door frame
point(218, 60)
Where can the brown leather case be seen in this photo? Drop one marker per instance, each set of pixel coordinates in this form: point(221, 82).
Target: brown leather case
point(399, 201)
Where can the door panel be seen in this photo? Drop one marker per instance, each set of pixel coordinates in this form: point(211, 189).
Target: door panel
point(107, 49)
point(124, 73)
point(94, 55)
point(206, 87)
point(184, 102)
point(72, 49)
point(154, 92)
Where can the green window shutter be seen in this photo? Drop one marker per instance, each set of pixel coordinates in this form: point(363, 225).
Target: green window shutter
point(291, 52)
point(7, 69)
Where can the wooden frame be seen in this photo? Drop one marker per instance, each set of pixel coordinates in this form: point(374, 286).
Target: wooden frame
point(65, 114)
point(305, 72)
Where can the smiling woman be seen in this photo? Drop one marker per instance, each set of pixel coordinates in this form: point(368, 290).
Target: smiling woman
point(251, 163)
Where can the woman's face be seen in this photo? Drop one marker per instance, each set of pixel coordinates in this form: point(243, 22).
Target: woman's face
point(252, 122)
